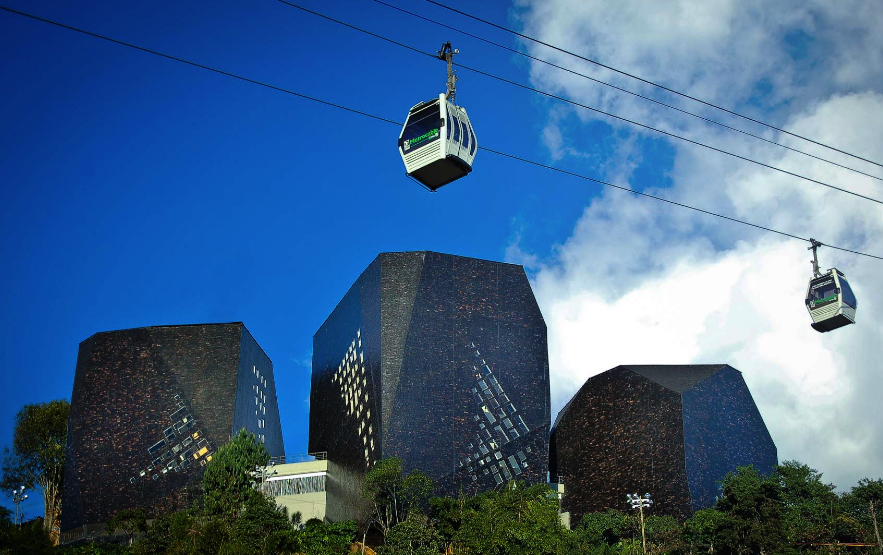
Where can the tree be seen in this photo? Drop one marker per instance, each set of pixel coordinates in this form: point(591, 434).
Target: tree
point(131, 521)
point(864, 503)
point(602, 529)
point(391, 495)
point(810, 505)
point(260, 519)
point(327, 539)
point(36, 459)
point(413, 536)
point(228, 482)
point(754, 506)
point(702, 529)
point(517, 519)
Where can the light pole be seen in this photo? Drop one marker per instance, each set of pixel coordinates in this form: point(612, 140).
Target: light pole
point(638, 502)
point(18, 495)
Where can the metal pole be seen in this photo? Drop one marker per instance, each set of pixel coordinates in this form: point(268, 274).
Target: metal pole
point(643, 537)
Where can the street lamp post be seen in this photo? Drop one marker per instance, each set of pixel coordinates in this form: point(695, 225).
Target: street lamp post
point(18, 495)
point(638, 502)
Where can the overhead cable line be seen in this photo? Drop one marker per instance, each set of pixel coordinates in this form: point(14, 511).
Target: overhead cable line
point(638, 95)
point(201, 66)
point(393, 122)
point(647, 81)
point(575, 103)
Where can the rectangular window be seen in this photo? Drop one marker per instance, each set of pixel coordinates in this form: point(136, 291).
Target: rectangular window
point(487, 413)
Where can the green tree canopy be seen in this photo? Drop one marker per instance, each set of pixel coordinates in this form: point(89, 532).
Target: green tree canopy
point(36, 459)
point(392, 495)
point(132, 522)
point(228, 482)
point(413, 536)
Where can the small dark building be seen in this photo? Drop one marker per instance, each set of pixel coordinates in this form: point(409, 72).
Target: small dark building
point(441, 361)
point(149, 408)
point(672, 431)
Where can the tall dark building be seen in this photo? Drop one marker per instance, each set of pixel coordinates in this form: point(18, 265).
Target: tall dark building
point(672, 431)
point(441, 361)
point(150, 406)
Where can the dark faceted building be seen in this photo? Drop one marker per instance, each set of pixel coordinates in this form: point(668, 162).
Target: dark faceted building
point(149, 408)
point(441, 361)
point(672, 431)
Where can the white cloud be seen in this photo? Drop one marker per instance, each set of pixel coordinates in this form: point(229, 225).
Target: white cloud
point(642, 282)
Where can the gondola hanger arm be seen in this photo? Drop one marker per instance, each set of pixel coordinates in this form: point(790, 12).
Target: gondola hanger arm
point(447, 54)
point(815, 259)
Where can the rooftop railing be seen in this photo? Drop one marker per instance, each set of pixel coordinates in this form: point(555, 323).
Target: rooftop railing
point(299, 458)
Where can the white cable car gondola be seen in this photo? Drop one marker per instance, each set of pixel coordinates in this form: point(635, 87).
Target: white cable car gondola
point(437, 143)
point(829, 298)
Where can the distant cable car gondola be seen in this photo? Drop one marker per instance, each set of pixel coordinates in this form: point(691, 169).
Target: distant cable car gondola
point(829, 298)
point(437, 143)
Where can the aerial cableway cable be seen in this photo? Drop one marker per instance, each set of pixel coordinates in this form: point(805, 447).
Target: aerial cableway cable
point(647, 81)
point(393, 122)
point(584, 106)
point(621, 89)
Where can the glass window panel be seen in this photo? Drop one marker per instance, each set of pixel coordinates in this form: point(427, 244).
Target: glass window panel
point(848, 295)
point(488, 414)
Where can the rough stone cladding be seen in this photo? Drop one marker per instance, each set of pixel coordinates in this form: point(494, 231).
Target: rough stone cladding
point(451, 375)
point(672, 431)
point(148, 409)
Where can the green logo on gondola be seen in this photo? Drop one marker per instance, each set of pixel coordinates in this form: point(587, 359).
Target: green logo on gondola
point(825, 300)
point(426, 137)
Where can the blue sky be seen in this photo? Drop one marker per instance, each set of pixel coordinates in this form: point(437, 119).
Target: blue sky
point(140, 191)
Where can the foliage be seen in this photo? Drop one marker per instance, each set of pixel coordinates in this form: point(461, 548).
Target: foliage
point(229, 481)
point(132, 522)
point(602, 529)
point(864, 505)
point(413, 536)
point(810, 505)
point(702, 529)
point(36, 459)
point(260, 519)
point(392, 495)
point(754, 505)
point(30, 538)
point(171, 534)
point(95, 549)
point(327, 539)
point(517, 519)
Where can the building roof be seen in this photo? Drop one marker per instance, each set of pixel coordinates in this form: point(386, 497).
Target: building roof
point(676, 377)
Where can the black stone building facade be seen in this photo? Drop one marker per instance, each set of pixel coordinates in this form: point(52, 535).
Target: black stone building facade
point(149, 408)
point(672, 431)
point(441, 361)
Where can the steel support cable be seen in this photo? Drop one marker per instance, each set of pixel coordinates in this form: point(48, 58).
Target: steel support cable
point(668, 133)
point(575, 103)
point(399, 124)
point(663, 87)
point(201, 66)
point(638, 95)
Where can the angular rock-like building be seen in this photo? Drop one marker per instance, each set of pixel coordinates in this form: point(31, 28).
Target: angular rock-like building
point(150, 406)
point(672, 431)
point(441, 361)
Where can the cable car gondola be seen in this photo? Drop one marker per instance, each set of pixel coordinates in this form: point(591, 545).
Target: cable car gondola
point(829, 298)
point(437, 143)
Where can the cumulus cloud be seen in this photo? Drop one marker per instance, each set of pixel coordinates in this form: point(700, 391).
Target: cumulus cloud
point(642, 282)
